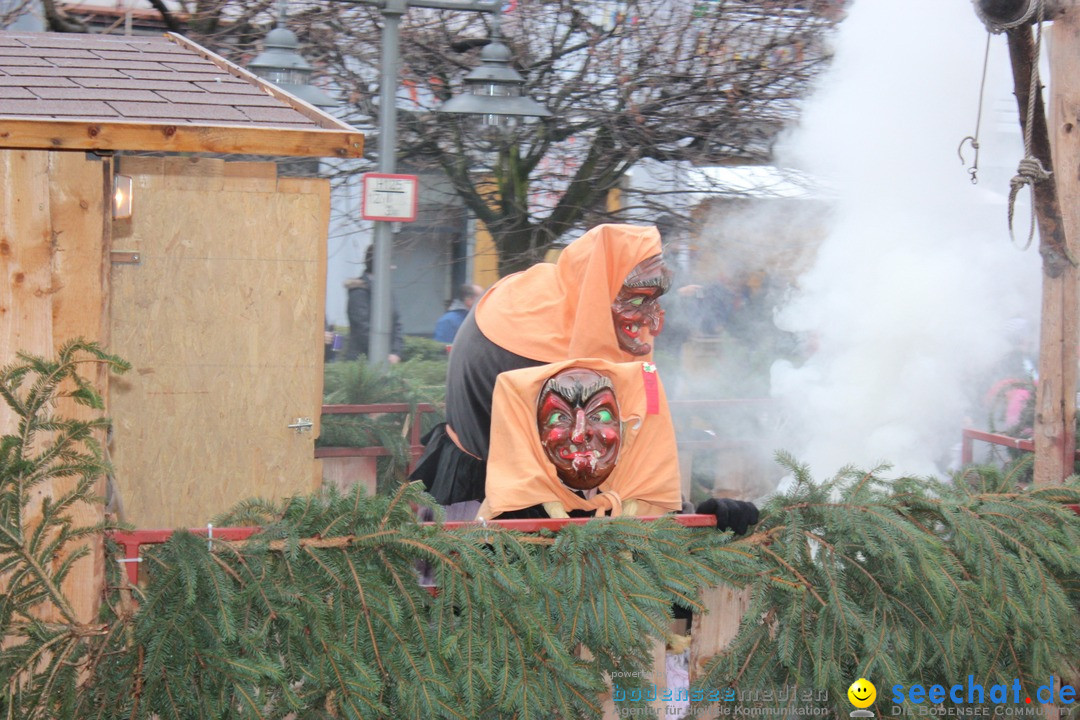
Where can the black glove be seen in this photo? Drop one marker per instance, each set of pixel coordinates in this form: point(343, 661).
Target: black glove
point(730, 514)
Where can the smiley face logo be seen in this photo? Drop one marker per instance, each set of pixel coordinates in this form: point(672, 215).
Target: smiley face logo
point(862, 693)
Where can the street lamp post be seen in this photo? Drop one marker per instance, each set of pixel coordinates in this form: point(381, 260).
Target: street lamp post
point(381, 317)
point(495, 104)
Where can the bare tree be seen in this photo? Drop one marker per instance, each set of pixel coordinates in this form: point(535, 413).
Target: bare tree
point(673, 81)
point(58, 20)
point(670, 81)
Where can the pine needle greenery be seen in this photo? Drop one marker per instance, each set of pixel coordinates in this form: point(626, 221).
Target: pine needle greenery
point(322, 614)
point(45, 640)
point(357, 383)
point(909, 581)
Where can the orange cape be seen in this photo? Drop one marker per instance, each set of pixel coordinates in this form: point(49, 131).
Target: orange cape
point(552, 312)
point(519, 474)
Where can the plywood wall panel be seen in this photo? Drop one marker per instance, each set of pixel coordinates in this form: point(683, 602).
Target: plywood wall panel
point(250, 176)
point(223, 322)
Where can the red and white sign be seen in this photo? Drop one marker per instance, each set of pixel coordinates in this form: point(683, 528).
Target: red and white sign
point(391, 198)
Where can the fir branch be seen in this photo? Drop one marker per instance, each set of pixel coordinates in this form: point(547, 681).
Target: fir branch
point(42, 577)
point(977, 565)
point(321, 614)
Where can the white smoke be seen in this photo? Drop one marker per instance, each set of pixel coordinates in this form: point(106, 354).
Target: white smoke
point(909, 297)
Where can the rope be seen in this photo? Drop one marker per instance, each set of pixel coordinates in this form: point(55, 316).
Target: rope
point(1030, 170)
point(609, 503)
point(974, 169)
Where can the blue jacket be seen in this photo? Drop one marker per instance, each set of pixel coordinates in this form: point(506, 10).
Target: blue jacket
point(446, 327)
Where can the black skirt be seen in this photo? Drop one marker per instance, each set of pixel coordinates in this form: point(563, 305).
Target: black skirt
point(449, 474)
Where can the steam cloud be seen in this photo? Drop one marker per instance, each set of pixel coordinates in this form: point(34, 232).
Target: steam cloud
point(909, 297)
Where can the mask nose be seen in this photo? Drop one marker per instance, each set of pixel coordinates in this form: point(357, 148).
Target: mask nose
point(577, 435)
point(655, 320)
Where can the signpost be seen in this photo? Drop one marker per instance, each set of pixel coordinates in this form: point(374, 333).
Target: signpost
point(389, 197)
point(504, 104)
point(392, 12)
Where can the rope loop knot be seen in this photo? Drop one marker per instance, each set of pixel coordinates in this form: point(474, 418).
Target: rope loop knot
point(1029, 172)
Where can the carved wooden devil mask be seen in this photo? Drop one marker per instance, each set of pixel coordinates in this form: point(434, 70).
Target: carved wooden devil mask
point(578, 420)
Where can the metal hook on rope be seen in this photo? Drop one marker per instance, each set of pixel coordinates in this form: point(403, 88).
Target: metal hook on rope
point(973, 171)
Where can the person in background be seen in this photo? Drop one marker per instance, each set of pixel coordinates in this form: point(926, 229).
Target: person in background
point(359, 311)
point(446, 327)
point(331, 342)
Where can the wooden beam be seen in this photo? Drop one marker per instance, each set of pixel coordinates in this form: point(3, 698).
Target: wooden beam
point(713, 631)
point(26, 257)
point(1055, 409)
point(225, 139)
point(1056, 398)
point(80, 191)
point(53, 239)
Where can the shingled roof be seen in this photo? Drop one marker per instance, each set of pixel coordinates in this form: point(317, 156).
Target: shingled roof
point(111, 92)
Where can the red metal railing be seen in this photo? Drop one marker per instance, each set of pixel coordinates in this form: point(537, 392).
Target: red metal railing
point(132, 540)
point(416, 414)
point(970, 435)
point(967, 452)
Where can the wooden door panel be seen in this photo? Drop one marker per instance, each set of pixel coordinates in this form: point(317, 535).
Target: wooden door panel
point(222, 321)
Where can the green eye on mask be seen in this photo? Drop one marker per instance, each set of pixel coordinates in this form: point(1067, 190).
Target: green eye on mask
point(604, 416)
point(554, 418)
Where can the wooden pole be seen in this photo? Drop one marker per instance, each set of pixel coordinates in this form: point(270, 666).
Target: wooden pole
point(54, 237)
point(1060, 325)
point(1057, 205)
point(1064, 118)
point(1055, 411)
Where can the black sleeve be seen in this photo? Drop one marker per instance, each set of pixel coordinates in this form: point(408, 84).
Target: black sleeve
point(397, 342)
point(359, 311)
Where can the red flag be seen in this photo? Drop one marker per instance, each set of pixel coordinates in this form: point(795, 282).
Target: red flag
point(652, 388)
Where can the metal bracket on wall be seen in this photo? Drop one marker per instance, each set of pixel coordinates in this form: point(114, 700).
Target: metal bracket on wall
point(302, 425)
point(125, 257)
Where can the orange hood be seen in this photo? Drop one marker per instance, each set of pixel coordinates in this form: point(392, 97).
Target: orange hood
point(519, 474)
point(562, 310)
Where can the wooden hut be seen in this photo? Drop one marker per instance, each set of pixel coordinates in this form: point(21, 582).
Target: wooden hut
point(213, 288)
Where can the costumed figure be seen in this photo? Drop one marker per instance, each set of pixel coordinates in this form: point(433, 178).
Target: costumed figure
point(581, 437)
point(598, 301)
